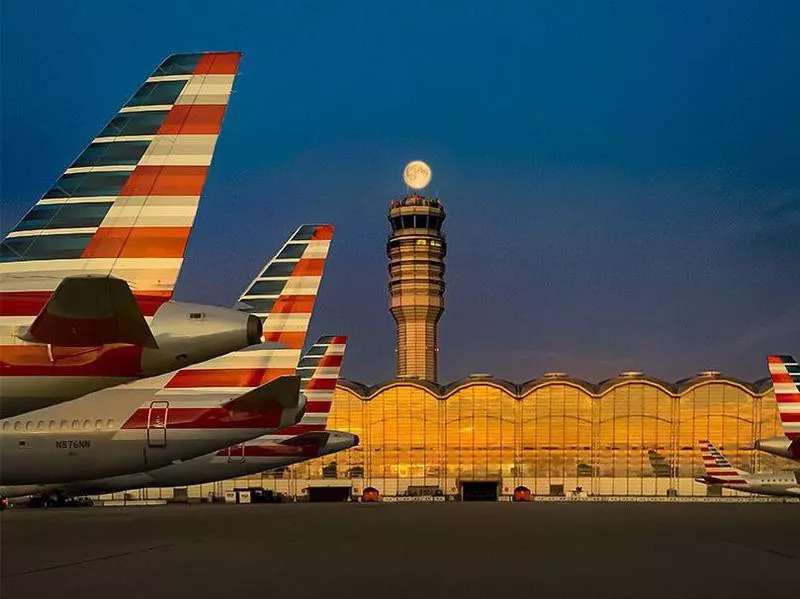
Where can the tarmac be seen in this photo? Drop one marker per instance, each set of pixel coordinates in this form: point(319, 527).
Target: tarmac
point(350, 551)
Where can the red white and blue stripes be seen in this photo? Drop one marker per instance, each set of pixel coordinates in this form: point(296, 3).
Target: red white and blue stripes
point(718, 469)
point(785, 374)
point(127, 204)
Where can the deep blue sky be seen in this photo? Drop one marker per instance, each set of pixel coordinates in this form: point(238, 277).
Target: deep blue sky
point(622, 179)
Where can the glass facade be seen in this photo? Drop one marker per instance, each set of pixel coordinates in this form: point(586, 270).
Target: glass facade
point(635, 436)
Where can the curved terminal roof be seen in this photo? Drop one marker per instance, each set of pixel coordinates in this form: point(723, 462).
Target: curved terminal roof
point(519, 391)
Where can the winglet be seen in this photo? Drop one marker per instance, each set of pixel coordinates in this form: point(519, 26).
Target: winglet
point(87, 311)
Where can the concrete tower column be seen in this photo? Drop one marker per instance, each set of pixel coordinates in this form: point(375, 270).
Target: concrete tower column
point(416, 250)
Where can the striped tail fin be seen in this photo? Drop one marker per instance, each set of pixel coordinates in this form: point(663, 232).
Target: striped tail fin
point(718, 469)
point(126, 205)
point(785, 374)
point(283, 294)
point(319, 372)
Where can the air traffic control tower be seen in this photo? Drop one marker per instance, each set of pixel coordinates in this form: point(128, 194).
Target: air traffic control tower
point(416, 250)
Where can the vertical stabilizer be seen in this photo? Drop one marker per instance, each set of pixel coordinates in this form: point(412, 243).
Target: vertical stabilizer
point(785, 374)
point(126, 205)
point(718, 469)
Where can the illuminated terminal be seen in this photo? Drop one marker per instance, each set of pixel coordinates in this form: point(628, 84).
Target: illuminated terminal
point(485, 437)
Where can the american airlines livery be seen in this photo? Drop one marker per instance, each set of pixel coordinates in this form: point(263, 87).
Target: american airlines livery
point(785, 374)
point(87, 276)
point(152, 422)
point(719, 471)
point(318, 371)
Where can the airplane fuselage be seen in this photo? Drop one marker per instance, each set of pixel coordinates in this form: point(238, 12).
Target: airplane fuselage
point(123, 430)
point(244, 459)
point(781, 484)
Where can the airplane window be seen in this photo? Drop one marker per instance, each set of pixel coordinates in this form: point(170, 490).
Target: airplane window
point(110, 423)
point(75, 424)
point(52, 425)
point(87, 424)
point(17, 425)
point(6, 426)
point(40, 425)
point(63, 424)
point(98, 424)
point(29, 425)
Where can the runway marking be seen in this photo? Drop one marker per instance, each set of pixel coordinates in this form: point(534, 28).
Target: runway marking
point(101, 558)
point(764, 549)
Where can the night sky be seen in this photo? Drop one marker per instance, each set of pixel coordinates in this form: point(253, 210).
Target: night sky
point(622, 179)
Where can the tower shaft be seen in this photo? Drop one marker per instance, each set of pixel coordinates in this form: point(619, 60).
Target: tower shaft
point(416, 251)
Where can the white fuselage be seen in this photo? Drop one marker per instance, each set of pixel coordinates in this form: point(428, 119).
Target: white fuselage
point(121, 431)
point(252, 457)
point(785, 483)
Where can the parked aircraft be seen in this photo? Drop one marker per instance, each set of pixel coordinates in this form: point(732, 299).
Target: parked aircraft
point(719, 471)
point(87, 276)
point(151, 422)
point(319, 372)
point(785, 374)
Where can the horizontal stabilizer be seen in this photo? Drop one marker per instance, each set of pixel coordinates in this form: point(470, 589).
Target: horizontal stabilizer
point(318, 438)
point(86, 311)
point(280, 393)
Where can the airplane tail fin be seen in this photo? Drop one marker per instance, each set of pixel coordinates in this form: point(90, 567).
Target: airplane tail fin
point(718, 469)
point(283, 294)
point(785, 374)
point(319, 372)
point(126, 205)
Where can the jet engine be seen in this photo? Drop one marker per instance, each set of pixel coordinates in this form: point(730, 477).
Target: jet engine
point(191, 333)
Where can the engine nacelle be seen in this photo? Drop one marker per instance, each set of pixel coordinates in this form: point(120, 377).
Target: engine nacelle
point(191, 333)
point(780, 446)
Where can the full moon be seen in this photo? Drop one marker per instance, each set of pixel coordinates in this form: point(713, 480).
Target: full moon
point(417, 174)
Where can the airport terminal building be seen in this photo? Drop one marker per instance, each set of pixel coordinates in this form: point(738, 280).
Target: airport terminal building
point(631, 435)
point(486, 437)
